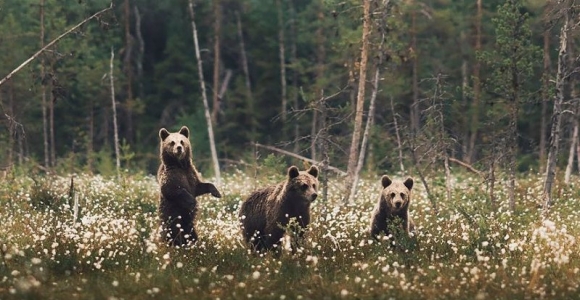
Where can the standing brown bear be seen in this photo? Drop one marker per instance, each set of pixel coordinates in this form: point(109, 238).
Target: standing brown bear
point(393, 203)
point(267, 211)
point(179, 184)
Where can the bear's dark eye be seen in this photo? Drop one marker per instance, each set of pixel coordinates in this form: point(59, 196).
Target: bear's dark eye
point(304, 186)
point(314, 186)
point(172, 143)
point(392, 195)
point(181, 142)
point(402, 195)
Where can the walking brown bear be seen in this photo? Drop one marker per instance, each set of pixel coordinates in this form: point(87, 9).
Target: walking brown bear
point(267, 211)
point(179, 184)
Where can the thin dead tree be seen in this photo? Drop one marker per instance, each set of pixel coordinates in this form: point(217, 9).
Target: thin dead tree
point(545, 90)
point(43, 89)
point(281, 42)
point(214, 157)
point(217, 7)
point(35, 55)
point(250, 99)
point(561, 80)
point(370, 118)
point(398, 135)
point(574, 118)
point(114, 107)
point(475, 106)
point(355, 143)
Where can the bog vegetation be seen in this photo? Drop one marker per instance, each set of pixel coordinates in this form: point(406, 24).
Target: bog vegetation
point(106, 248)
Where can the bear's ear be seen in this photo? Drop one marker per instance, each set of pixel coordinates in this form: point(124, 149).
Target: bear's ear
point(409, 183)
point(386, 181)
point(184, 131)
point(163, 134)
point(313, 171)
point(293, 172)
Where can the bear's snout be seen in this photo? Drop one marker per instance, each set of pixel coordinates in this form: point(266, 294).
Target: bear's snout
point(179, 149)
point(398, 204)
point(314, 195)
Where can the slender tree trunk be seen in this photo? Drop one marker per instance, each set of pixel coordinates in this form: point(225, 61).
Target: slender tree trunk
point(355, 143)
point(571, 153)
point(415, 76)
point(141, 52)
point(545, 98)
point(51, 124)
point(204, 97)
point(476, 88)
point(561, 78)
point(11, 127)
point(250, 96)
point(114, 108)
point(294, 61)
point(91, 137)
point(281, 41)
point(128, 62)
point(368, 125)
point(325, 140)
point(43, 89)
point(398, 135)
point(217, 8)
point(574, 118)
point(320, 70)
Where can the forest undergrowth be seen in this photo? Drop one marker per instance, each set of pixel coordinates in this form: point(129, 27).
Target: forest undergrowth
point(107, 248)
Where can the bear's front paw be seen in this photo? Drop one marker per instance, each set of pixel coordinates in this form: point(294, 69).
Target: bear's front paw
point(214, 192)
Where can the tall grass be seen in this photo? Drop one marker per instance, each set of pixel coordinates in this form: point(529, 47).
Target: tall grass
point(110, 251)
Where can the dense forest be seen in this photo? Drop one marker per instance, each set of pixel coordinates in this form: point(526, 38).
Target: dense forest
point(468, 83)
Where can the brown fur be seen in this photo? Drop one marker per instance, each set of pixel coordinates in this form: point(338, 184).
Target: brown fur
point(179, 184)
point(393, 203)
point(265, 213)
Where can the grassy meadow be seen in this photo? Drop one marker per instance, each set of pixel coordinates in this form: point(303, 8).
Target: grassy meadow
point(107, 249)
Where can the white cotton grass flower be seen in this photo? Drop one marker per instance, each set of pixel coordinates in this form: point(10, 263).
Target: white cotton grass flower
point(256, 275)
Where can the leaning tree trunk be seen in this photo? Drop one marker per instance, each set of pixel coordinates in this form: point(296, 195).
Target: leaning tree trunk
point(216, 166)
point(354, 146)
point(561, 79)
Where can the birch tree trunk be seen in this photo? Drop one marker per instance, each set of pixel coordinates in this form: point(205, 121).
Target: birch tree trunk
point(114, 108)
point(250, 100)
point(216, 59)
point(561, 78)
point(574, 117)
point(354, 146)
point(216, 165)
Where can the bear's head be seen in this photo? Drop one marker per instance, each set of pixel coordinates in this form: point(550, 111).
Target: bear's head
point(397, 194)
point(175, 147)
point(303, 183)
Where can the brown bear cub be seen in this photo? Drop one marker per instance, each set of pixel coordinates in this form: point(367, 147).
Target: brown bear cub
point(393, 204)
point(266, 212)
point(179, 184)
